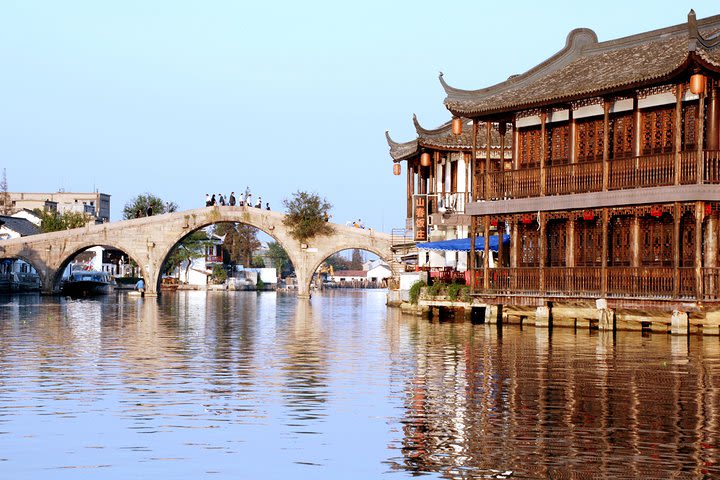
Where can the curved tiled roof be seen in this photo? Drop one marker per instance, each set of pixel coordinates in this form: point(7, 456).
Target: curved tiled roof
point(586, 68)
point(443, 138)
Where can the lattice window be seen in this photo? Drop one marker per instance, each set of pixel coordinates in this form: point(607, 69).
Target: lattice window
point(588, 243)
point(687, 240)
point(622, 131)
point(656, 236)
point(689, 126)
point(556, 232)
point(530, 147)
point(559, 145)
point(658, 130)
point(589, 140)
point(529, 245)
point(619, 242)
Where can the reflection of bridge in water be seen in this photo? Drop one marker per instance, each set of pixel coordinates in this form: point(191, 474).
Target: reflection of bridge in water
point(149, 240)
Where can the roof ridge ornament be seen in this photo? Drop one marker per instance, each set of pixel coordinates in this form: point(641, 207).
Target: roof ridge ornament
point(696, 39)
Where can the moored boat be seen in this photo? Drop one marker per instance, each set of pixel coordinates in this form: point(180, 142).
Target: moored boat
point(85, 283)
point(19, 282)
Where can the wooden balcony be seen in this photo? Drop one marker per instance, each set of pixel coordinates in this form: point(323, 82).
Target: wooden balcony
point(664, 283)
point(627, 173)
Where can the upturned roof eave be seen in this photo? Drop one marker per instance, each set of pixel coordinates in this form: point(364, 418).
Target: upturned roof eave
point(560, 99)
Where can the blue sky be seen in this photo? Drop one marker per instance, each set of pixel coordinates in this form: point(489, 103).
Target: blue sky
point(179, 98)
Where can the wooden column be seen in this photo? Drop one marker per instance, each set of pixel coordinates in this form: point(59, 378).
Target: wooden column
point(488, 160)
point(570, 249)
point(700, 137)
point(636, 127)
point(604, 265)
point(501, 248)
point(676, 250)
point(516, 147)
point(473, 163)
point(471, 260)
point(711, 241)
point(678, 130)
point(502, 130)
point(543, 249)
point(433, 172)
point(713, 118)
point(572, 124)
point(543, 150)
point(606, 144)
point(699, 214)
point(513, 242)
point(486, 254)
point(410, 187)
point(635, 241)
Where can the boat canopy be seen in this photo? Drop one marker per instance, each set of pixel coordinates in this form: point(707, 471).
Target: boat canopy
point(463, 244)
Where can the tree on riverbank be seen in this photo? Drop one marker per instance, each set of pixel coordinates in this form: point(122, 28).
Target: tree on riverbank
point(138, 206)
point(307, 216)
point(188, 249)
point(53, 221)
point(5, 202)
point(280, 259)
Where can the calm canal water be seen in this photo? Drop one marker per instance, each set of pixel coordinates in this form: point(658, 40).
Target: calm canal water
point(245, 385)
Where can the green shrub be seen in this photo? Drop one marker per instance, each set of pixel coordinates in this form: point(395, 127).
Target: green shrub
point(260, 285)
point(465, 293)
point(415, 291)
point(436, 289)
point(453, 291)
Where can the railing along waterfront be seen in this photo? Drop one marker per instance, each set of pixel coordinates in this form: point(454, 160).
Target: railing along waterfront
point(514, 184)
point(645, 171)
point(630, 282)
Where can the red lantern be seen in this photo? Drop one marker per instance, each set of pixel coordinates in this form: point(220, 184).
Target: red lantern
point(708, 208)
point(526, 218)
point(425, 159)
point(656, 211)
point(697, 83)
point(396, 169)
point(493, 222)
point(457, 126)
point(588, 215)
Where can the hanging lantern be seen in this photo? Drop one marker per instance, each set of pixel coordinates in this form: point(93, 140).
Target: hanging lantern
point(656, 211)
point(588, 215)
point(526, 218)
point(708, 208)
point(425, 159)
point(697, 83)
point(396, 169)
point(457, 126)
point(493, 222)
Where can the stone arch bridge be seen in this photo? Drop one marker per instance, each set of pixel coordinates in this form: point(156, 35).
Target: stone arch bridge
point(149, 240)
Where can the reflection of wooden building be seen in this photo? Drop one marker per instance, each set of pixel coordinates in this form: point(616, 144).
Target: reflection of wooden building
point(613, 186)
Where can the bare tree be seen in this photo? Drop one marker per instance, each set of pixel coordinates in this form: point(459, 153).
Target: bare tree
point(5, 195)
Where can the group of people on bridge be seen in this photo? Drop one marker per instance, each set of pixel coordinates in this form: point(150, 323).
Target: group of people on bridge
point(245, 199)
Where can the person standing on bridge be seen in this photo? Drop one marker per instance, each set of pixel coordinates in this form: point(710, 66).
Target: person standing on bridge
point(221, 200)
point(148, 212)
point(212, 201)
point(247, 196)
point(267, 206)
point(258, 204)
point(232, 199)
point(207, 199)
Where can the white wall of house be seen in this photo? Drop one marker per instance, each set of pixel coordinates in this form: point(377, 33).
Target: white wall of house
point(27, 215)
point(197, 274)
point(379, 273)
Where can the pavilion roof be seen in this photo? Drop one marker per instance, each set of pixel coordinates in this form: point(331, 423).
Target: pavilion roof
point(588, 68)
point(442, 138)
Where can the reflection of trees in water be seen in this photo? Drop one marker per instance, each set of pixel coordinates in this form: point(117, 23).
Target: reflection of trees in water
point(571, 405)
point(305, 367)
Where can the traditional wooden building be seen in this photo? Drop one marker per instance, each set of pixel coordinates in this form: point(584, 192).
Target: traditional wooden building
point(612, 189)
point(439, 168)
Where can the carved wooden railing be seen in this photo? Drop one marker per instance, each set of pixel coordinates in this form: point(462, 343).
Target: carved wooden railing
point(688, 167)
point(711, 283)
point(711, 166)
point(574, 178)
point(631, 282)
point(624, 173)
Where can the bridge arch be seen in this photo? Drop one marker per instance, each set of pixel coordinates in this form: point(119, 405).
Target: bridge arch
point(166, 250)
point(54, 276)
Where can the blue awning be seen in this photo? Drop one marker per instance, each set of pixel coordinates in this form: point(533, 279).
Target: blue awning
point(463, 244)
